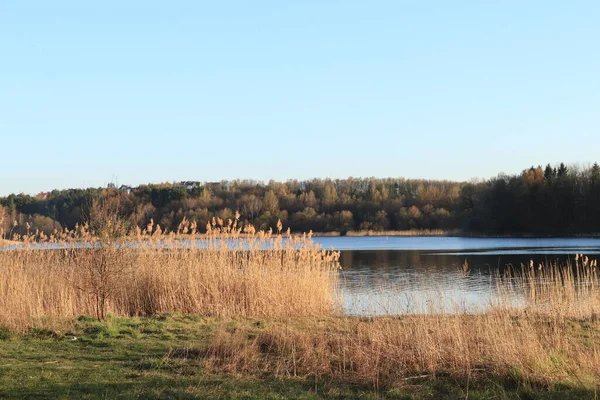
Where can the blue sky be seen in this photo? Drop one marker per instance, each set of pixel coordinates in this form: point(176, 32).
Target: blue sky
point(151, 91)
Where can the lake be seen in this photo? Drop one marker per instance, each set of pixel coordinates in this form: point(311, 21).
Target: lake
point(396, 275)
point(399, 275)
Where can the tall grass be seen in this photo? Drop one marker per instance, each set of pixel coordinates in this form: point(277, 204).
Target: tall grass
point(553, 337)
point(229, 272)
point(571, 289)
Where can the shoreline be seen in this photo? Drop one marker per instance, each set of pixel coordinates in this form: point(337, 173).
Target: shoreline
point(455, 233)
point(4, 243)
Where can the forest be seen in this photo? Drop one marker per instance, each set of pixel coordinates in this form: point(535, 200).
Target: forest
point(555, 200)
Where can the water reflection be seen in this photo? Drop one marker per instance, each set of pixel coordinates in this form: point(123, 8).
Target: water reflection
point(376, 282)
point(393, 275)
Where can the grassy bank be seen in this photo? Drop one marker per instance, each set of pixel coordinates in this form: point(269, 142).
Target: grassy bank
point(548, 349)
point(174, 356)
point(271, 325)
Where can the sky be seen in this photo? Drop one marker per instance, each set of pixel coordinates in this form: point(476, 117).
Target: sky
point(135, 92)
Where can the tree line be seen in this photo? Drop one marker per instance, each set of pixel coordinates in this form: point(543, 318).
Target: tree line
point(555, 200)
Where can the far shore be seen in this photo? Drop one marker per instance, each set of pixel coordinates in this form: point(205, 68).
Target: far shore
point(454, 233)
point(411, 232)
point(371, 233)
point(8, 242)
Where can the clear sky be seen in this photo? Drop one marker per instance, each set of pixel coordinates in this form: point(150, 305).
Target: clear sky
point(155, 91)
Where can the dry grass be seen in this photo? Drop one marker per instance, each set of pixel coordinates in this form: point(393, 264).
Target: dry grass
point(554, 337)
point(386, 352)
point(223, 274)
point(234, 272)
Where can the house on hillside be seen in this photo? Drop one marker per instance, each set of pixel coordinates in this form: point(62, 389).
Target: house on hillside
point(190, 185)
point(125, 188)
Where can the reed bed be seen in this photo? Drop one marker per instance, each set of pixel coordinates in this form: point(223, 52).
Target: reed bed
point(552, 337)
point(228, 272)
point(571, 289)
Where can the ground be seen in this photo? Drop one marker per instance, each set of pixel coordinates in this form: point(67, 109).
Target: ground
point(161, 357)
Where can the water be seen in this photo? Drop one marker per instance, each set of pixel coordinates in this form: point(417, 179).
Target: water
point(395, 275)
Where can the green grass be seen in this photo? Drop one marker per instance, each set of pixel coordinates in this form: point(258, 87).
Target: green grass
point(161, 358)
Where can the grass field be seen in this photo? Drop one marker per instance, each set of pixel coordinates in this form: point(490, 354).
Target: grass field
point(166, 357)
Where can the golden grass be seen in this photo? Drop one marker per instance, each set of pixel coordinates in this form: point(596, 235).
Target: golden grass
point(553, 337)
point(7, 242)
point(222, 275)
point(388, 351)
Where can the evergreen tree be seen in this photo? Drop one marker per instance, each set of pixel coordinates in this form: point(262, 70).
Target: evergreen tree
point(595, 174)
point(562, 171)
point(549, 173)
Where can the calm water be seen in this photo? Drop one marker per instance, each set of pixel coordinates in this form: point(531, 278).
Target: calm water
point(395, 275)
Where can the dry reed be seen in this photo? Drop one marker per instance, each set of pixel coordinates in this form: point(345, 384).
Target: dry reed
point(229, 272)
point(553, 337)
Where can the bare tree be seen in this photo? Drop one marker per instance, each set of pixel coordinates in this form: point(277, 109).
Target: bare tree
point(109, 257)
